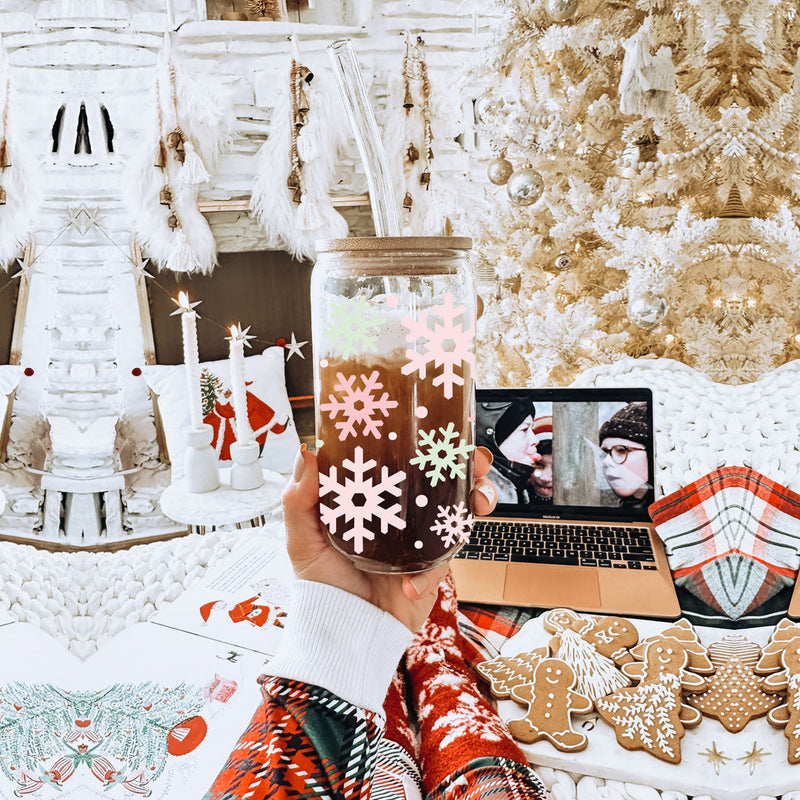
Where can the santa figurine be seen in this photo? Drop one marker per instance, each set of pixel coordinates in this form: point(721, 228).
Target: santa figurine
point(222, 417)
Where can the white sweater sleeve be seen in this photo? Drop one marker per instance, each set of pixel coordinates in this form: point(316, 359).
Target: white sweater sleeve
point(340, 642)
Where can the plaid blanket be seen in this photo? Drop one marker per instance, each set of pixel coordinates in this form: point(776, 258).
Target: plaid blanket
point(732, 538)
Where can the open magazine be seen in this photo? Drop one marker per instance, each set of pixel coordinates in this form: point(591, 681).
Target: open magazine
point(128, 722)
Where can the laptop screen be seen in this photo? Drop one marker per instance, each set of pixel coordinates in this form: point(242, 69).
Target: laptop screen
point(569, 453)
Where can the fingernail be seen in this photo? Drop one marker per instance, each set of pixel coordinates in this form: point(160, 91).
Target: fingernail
point(487, 492)
point(420, 583)
point(299, 464)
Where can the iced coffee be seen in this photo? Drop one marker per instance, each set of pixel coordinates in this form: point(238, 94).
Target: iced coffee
point(394, 360)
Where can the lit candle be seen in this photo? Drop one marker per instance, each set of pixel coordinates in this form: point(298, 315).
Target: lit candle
point(238, 340)
point(191, 356)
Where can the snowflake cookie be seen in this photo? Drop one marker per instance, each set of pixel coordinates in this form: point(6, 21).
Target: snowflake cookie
point(447, 344)
point(359, 405)
point(503, 673)
point(734, 695)
point(551, 703)
point(651, 716)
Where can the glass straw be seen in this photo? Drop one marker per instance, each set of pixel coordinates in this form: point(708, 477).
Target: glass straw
point(365, 131)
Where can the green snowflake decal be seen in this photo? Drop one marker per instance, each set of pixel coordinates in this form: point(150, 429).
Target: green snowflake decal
point(442, 455)
point(355, 325)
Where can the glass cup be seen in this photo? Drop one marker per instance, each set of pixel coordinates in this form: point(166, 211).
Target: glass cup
point(393, 322)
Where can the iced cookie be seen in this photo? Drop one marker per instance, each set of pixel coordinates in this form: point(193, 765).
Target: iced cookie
point(551, 703)
point(505, 672)
point(596, 674)
point(785, 631)
point(651, 716)
point(787, 716)
point(685, 635)
point(735, 693)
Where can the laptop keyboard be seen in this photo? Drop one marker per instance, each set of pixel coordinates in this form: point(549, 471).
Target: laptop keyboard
point(553, 543)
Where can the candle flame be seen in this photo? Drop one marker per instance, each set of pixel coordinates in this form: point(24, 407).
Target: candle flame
point(234, 332)
point(183, 300)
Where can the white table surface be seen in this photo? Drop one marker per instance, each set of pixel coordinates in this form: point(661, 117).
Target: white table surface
point(223, 506)
point(2, 502)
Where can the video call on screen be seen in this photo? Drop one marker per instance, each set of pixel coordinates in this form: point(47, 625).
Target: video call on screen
point(552, 452)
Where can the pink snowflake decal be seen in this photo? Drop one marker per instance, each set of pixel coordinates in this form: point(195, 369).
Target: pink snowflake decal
point(448, 345)
point(358, 500)
point(358, 405)
point(453, 524)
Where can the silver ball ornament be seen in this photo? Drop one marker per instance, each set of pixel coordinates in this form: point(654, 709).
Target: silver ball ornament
point(563, 262)
point(560, 10)
point(499, 171)
point(648, 310)
point(486, 106)
point(525, 186)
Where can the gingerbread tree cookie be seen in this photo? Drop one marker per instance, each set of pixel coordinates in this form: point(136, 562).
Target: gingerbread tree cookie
point(596, 674)
point(785, 632)
point(787, 716)
point(505, 672)
point(734, 695)
point(651, 716)
point(551, 703)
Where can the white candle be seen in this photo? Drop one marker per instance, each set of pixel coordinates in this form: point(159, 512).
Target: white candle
point(244, 433)
point(191, 358)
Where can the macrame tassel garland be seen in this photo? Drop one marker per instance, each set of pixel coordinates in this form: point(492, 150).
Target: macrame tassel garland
point(194, 170)
point(180, 258)
point(295, 166)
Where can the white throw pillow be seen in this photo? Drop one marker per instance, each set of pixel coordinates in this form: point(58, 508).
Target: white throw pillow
point(268, 404)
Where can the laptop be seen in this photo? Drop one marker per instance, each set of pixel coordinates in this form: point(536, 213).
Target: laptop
point(571, 527)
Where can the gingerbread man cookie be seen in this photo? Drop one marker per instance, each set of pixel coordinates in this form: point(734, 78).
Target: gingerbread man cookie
point(551, 703)
point(685, 635)
point(787, 716)
point(651, 716)
point(505, 672)
point(734, 695)
point(596, 674)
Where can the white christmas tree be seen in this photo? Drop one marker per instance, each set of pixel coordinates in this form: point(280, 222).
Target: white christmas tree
point(649, 157)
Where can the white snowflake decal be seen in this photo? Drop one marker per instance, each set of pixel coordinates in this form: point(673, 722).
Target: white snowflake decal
point(469, 717)
point(355, 326)
point(442, 455)
point(453, 524)
point(358, 405)
point(358, 500)
point(447, 344)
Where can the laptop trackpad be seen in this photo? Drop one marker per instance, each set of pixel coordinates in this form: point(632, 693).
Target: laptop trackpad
point(551, 586)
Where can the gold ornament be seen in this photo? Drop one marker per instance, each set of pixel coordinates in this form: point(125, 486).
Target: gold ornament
point(173, 222)
point(408, 201)
point(499, 171)
point(648, 310)
point(525, 186)
point(412, 154)
point(563, 262)
point(165, 196)
point(486, 106)
point(3, 199)
point(560, 10)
